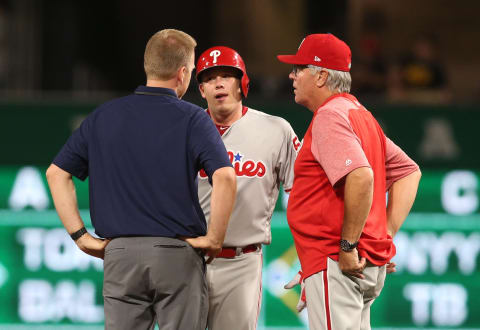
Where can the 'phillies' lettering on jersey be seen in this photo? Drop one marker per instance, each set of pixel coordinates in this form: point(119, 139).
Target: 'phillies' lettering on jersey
point(248, 168)
point(262, 151)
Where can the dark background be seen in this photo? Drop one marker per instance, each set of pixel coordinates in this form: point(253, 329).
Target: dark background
point(60, 59)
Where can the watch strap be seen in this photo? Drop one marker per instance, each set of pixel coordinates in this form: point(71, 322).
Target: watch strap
point(79, 233)
point(347, 246)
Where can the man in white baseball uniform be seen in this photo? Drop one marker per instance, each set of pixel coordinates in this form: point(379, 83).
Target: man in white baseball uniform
point(262, 149)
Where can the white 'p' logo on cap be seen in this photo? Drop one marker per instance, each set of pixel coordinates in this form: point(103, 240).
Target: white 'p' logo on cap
point(215, 53)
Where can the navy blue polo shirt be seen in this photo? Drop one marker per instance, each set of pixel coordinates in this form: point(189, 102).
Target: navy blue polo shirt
point(142, 154)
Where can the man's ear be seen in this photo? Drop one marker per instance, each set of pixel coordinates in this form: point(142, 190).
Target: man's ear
point(240, 87)
point(181, 72)
point(321, 79)
point(200, 88)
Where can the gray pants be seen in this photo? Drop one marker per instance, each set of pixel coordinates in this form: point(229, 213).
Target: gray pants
point(154, 278)
point(235, 292)
point(337, 301)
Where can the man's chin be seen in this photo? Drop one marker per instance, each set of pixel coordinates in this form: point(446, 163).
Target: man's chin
point(301, 102)
point(222, 107)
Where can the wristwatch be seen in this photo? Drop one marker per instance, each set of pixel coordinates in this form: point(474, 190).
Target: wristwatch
point(79, 233)
point(347, 246)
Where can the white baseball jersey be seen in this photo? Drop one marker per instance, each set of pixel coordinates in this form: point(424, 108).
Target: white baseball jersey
point(262, 149)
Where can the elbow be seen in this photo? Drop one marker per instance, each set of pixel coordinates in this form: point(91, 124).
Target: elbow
point(363, 177)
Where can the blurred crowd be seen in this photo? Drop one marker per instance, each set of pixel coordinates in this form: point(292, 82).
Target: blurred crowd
point(417, 74)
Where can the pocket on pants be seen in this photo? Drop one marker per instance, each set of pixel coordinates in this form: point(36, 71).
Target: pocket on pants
point(114, 250)
point(170, 246)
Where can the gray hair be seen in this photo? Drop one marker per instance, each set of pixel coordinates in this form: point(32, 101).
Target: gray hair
point(337, 81)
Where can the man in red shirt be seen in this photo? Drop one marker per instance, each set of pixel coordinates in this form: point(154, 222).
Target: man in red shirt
point(337, 211)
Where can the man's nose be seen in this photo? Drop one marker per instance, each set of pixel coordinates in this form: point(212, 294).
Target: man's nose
point(291, 75)
point(218, 82)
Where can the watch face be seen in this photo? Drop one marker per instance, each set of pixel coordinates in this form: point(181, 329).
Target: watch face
point(347, 246)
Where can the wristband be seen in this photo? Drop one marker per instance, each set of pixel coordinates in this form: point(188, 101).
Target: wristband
point(79, 233)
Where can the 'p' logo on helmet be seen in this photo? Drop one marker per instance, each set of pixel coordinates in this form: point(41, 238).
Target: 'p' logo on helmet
point(215, 53)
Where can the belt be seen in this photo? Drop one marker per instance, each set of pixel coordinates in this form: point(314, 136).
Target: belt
point(232, 252)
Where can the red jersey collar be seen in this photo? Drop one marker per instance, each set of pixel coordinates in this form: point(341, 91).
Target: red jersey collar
point(222, 128)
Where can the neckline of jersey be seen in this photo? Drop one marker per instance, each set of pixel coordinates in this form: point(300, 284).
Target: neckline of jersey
point(334, 96)
point(223, 128)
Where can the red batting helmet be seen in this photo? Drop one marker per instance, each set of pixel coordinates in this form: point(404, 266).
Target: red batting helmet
point(223, 56)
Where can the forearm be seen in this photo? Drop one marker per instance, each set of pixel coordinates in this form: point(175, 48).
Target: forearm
point(221, 204)
point(401, 196)
point(65, 198)
point(358, 195)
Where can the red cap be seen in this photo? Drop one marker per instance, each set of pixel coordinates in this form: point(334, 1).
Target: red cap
point(323, 50)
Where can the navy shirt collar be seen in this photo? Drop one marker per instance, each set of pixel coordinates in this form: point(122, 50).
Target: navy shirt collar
point(147, 90)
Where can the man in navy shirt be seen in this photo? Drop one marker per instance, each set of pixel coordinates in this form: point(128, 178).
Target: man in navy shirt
point(142, 154)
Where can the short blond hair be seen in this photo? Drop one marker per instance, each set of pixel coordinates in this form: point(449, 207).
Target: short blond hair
point(166, 52)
